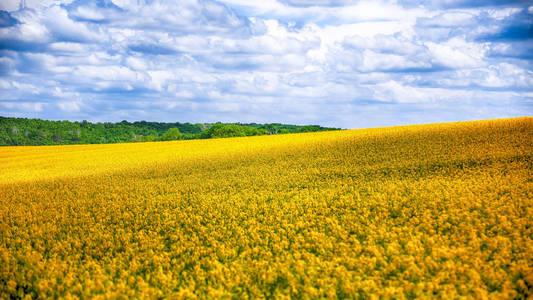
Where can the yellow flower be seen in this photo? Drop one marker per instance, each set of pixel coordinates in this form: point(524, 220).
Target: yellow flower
point(426, 211)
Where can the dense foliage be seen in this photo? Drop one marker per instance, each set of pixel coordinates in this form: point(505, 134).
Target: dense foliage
point(32, 132)
point(433, 211)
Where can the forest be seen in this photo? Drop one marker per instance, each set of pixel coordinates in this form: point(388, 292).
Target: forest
point(34, 132)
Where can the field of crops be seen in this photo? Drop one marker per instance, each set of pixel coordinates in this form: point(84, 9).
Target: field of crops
point(440, 210)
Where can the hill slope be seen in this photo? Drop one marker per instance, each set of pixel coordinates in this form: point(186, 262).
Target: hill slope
point(440, 210)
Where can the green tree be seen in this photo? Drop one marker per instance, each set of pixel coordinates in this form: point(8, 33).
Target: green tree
point(23, 131)
point(171, 134)
point(309, 128)
point(271, 128)
point(223, 130)
point(150, 138)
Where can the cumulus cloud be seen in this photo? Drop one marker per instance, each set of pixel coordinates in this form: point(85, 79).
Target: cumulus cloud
point(346, 63)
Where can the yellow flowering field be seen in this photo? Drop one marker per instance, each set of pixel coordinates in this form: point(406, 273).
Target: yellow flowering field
point(427, 211)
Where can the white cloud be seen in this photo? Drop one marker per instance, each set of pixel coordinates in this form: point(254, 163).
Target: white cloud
point(500, 76)
point(450, 19)
point(88, 13)
point(136, 63)
point(9, 5)
point(30, 29)
point(111, 73)
point(68, 47)
point(457, 53)
point(70, 106)
point(23, 106)
point(329, 62)
point(159, 79)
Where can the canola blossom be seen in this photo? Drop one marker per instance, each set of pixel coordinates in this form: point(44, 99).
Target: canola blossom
point(426, 211)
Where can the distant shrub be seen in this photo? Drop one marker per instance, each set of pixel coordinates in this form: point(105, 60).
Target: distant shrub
point(172, 134)
point(224, 130)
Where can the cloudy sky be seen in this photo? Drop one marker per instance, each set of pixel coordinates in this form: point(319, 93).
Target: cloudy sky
point(343, 63)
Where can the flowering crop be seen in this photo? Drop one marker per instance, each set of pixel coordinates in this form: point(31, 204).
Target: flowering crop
point(442, 210)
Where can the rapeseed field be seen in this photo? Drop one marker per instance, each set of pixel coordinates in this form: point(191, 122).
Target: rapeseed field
point(428, 211)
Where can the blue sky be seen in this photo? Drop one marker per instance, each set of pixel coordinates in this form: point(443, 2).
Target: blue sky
point(343, 63)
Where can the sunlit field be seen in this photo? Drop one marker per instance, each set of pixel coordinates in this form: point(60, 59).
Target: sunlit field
point(439, 211)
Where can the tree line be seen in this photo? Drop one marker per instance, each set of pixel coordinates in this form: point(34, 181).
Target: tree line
point(28, 132)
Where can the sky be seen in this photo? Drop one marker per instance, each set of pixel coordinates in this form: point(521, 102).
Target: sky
point(341, 63)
